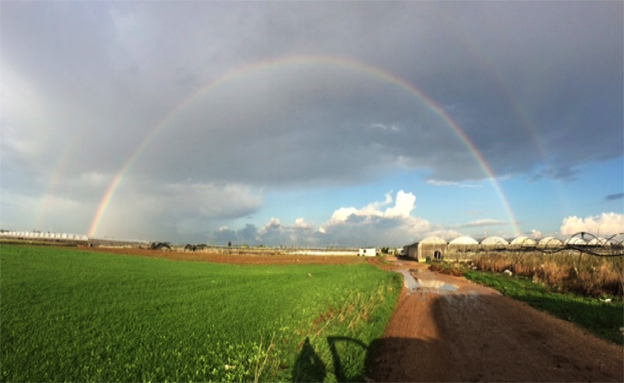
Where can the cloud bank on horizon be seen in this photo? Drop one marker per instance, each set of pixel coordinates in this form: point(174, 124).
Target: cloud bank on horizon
point(219, 121)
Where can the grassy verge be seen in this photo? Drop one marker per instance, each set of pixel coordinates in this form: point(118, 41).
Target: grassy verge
point(69, 315)
point(600, 318)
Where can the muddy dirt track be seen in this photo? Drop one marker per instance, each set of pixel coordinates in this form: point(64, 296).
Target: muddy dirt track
point(475, 334)
point(468, 335)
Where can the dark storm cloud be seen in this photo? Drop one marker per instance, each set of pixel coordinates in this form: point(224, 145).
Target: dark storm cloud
point(273, 233)
point(506, 71)
point(489, 69)
point(563, 173)
point(614, 197)
point(536, 87)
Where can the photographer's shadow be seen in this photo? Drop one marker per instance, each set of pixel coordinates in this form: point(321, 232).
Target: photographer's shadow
point(308, 367)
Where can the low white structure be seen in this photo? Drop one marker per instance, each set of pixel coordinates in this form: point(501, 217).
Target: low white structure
point(598, 241)
point(576, 241)
point(430, 247)
point(549, 242)
point(37, 236)
point(462, 248)
point(368, 252)
point(523, 242)
point(494, 241)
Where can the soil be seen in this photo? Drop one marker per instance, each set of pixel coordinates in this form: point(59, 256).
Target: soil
point(471, 334)
point(234, 256)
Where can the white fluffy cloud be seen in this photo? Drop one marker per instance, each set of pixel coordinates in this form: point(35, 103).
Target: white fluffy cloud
point(391, 225)
point(536, 234)
point(385, 223)
point(405, 203)
point(300, 223)
point(603, 225)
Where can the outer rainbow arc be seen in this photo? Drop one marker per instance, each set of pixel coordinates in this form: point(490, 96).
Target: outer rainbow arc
point(341, 62)
point(54, 180)
point(522, 115)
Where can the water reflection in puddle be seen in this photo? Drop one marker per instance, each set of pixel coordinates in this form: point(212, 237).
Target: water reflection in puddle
point(437, 285)
point(413, 284)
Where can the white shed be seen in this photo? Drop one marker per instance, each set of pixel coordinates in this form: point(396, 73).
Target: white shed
point(430, 247)
point(598, 241)
point(577, 241)
point(462, 248)
point(523, 241)
point(368, 252)
point(494, 242)
point(549, 242)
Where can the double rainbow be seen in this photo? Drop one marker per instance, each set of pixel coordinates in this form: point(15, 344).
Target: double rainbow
point(294, 60)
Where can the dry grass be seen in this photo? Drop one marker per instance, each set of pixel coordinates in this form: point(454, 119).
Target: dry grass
point(453, 269)
point(566, 271)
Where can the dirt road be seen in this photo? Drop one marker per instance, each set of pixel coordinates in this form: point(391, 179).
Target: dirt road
point(475, 334)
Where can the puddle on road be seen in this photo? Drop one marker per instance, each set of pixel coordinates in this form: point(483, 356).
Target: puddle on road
point(436, 285)
point(414, 284)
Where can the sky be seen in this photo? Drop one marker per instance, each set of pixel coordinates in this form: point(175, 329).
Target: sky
point(312, 123)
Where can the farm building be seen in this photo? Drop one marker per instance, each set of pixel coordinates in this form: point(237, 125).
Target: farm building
point(462, 248)
point(411, 251)
point(430, 247)
point(576, 241)
point(39, 237)
point(549, 242)
point(463, 241)
point(598, 241)
point(523, 242)
point(369, 252)
point(494, 242)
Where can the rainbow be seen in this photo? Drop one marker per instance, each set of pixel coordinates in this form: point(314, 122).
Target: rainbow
point(54, 181)
point(523, 117)
point(292, 60)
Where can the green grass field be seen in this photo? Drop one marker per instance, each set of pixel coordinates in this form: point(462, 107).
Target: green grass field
point(69, 315)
